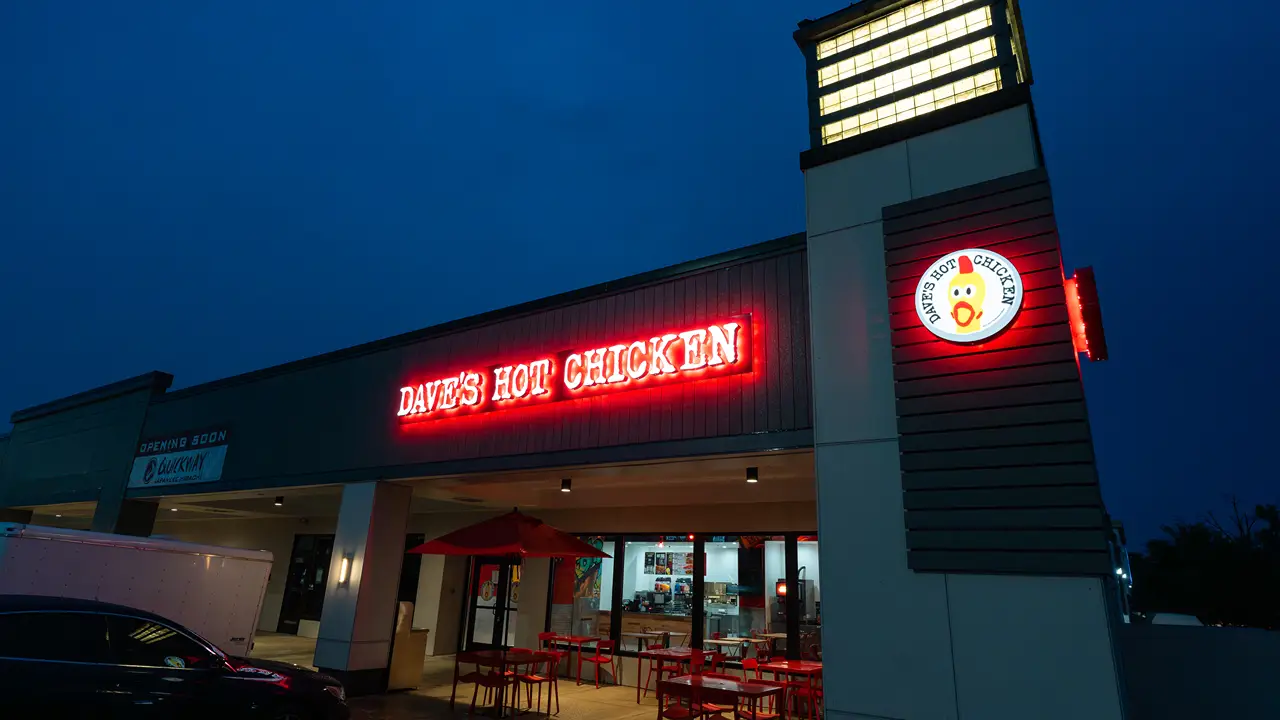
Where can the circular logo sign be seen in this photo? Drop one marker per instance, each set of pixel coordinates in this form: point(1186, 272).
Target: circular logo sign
point(969, 295)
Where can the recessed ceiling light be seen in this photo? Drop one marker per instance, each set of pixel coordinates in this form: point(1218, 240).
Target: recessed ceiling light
point(566, 485)
point(58, 515)
point(279, 501)
point(173, 509)
point(753, 475)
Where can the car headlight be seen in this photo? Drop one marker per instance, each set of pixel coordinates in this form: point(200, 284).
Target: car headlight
point(337, 691)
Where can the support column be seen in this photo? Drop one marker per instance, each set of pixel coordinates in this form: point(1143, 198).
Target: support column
point(125, 517)
point(531, 613)
point(440, 594)
point(357, 622)
point(910, 645)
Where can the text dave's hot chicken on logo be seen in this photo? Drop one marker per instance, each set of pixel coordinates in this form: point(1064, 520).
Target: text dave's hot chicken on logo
point(969, 295)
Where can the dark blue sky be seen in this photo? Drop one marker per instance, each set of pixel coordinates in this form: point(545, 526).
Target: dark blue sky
point(211, 187)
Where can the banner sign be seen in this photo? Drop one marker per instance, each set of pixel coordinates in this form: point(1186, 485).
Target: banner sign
point(195, 457)
point(681, 355)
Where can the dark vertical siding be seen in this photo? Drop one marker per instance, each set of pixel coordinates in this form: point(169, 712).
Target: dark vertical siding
point(997, 459)
point(341, 415)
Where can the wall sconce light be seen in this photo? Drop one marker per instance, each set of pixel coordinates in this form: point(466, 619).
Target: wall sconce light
point(344, 569)
point(753, 475)
point(279, 501)
point(566, 485)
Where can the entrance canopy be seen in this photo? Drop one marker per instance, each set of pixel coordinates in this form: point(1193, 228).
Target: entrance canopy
point(510, 535)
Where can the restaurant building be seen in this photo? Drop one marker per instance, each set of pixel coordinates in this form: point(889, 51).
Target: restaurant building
point(866, 442)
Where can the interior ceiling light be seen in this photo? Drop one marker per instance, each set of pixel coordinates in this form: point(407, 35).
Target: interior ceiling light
point(279, 501)
point(753, 475)
point(566, 485)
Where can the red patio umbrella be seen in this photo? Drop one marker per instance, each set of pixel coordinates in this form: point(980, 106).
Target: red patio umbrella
point(512, 535)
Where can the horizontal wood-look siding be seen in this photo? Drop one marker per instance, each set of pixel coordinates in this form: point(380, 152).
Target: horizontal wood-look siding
point(998, 469)
point(341, 415)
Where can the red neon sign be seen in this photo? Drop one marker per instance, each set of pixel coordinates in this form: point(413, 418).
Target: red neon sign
point(705, 351)
point(1084, 314)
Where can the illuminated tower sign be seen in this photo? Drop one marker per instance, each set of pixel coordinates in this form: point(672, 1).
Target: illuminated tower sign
point(901, 61)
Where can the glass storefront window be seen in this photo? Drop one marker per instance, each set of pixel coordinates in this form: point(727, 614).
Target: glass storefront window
point(739, 601)
point(657, 590)
point(582, 598)
point(811, 598)
point(650, 598)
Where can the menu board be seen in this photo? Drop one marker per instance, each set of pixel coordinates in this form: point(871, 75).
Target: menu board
point(686, 564)
point(648, 563)
point(662, 563)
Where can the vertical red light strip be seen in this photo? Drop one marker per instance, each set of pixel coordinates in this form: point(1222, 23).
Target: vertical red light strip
point(1075, 317)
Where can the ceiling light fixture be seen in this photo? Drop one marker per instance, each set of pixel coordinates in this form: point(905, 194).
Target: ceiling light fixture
point(173, 509)
point(566, 485)
point(753, 475)
point(58, 515)
point(279, 501)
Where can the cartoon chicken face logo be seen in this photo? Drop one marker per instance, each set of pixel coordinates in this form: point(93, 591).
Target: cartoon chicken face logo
point(968, 290)
point(969, 295)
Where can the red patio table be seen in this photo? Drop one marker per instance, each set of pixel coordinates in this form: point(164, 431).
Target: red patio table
point(578, 640)
point(720, 691)
point(807, 668)
point(677, 655)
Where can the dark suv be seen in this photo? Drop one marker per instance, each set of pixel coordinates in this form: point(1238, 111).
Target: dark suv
point(61, 657)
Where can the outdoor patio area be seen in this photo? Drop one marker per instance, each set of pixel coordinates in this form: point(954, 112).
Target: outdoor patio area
point(431, 699)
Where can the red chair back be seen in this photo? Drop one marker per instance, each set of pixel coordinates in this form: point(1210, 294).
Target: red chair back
point(773, 701)
point(752, 665)
point(604, 649)
point(696, 661)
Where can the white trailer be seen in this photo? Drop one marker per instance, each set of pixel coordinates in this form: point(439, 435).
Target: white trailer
point(215, 591)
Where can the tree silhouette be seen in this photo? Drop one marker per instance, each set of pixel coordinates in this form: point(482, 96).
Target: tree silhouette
point(1225, 572)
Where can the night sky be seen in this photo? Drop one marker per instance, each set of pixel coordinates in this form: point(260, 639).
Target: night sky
point(211, 187)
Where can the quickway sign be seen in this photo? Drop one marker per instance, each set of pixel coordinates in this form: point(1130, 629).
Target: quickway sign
point(195, 457)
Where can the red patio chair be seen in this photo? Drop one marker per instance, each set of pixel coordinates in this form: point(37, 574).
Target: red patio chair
point(533, 677)
point(491, 682)
point(604, 656)
point(769, 708)
point(812, 698)
point(751, 665)
point(697, 661)
point(459, 676)
point(657, 667)
point(546, 643)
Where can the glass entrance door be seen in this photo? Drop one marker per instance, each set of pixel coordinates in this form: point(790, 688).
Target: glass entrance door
point(493, 602)
point(305, 583)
